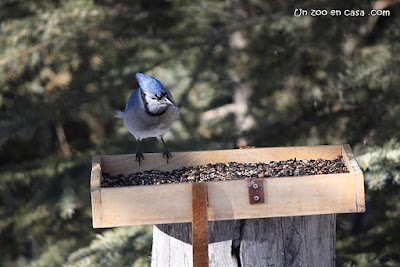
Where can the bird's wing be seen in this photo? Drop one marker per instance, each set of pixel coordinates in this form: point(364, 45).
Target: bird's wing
point(131, 101)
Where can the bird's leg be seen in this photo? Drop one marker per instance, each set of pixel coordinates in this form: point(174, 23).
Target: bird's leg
point(139, 154)
point(166, 151)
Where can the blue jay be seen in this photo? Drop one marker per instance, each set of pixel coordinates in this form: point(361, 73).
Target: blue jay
point(150, 111)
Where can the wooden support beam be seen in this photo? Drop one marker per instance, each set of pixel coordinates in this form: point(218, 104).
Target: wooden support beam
point(282, 241)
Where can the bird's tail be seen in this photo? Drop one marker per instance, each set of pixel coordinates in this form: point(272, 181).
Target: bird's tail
point(119, 114)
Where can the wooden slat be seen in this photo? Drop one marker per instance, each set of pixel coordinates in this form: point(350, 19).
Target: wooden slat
point(96, 208)
point(95, 193)
point(199, 225)
point(95, 175)
point(319, 194)
point(125, 164)
point(351, 162)
point(146, 205)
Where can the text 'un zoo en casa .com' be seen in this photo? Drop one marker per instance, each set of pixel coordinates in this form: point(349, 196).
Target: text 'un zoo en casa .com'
point(300, 12)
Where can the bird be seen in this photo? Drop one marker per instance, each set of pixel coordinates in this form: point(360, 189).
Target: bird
point(149, 112)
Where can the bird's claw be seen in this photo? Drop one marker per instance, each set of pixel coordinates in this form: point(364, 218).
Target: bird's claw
point(139, 156)
point(166, 154)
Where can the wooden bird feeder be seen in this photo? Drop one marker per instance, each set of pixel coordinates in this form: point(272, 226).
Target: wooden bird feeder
point(225, 200)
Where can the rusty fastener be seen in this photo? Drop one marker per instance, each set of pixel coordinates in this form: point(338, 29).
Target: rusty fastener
point(256, 191)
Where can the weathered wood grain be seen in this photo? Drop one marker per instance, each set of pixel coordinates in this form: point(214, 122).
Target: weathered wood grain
point(289, 241)
point(320, 233)
point(262, 243)
point(282, 241)
point(294, 240)
point(172, 244)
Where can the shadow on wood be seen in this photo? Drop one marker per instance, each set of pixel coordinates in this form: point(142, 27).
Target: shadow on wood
point(282, 241)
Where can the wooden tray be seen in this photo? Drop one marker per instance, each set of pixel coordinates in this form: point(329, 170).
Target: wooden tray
point(171, 203)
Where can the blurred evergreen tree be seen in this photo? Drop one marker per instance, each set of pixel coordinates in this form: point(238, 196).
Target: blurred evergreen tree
point(242, 72)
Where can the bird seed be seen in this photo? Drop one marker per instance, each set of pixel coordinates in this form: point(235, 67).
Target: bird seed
point(228, 171)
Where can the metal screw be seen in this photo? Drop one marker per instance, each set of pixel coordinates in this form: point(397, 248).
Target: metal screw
point(255, 186)
point(256, 198)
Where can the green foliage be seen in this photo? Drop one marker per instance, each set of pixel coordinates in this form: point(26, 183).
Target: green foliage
point(240, 71)
point(126, 246)
point(378, 237)
point(381, 165)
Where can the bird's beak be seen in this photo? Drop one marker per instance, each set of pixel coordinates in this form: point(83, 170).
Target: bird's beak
point(169, 102)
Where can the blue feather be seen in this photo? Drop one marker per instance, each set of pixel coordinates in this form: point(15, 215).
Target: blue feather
point(151, 85)
point(130, 101)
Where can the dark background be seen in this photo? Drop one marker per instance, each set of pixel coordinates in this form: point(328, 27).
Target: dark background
point(241, 72)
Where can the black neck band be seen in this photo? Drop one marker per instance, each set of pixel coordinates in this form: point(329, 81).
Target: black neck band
point(146, 106)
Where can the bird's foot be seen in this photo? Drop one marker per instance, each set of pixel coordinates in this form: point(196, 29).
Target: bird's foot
point(166, 154)
point(139, 156)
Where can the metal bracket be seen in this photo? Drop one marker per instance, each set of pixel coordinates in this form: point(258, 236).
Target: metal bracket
point(256, 190)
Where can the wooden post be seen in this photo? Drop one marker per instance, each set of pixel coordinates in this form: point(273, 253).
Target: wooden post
point(281, 241)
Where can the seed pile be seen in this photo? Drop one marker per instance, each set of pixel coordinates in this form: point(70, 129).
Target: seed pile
point(228, 171)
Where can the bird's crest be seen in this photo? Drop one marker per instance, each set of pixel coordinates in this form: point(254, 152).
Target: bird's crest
point(151, 85)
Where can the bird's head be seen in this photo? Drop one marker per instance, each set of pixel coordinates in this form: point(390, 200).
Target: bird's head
point(155, 94)
point(158, 100)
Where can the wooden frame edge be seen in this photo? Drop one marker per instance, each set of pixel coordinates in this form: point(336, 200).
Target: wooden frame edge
point(96, 208)
point(217, 188)
point(95, 191)
point(354, 168)
point(95, 174)
point(224, 150)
